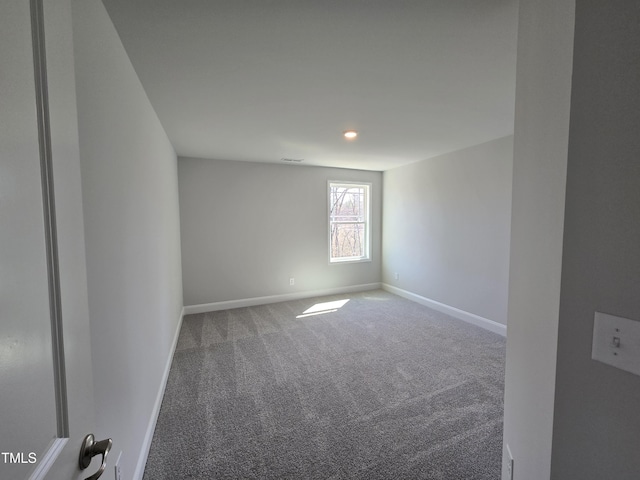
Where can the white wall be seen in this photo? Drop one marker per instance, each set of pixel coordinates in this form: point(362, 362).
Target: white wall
point(248, 227)
point(446, 228)
point(543, 85)
point(131, 215)
point(596, 431)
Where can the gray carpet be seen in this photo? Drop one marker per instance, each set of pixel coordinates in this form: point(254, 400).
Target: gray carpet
point(380, 388)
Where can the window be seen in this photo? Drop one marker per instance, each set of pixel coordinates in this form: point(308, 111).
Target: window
point(348, 222)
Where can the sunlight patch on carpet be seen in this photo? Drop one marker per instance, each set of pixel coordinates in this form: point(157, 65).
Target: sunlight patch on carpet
point(323, 307)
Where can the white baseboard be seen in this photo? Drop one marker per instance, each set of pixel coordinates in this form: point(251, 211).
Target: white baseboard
point(249, 302)
point(477, 320)
point(146, 445)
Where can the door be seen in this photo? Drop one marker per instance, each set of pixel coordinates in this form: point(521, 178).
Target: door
point(46, 389)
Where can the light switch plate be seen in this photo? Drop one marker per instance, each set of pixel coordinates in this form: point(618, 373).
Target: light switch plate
point(616, 342)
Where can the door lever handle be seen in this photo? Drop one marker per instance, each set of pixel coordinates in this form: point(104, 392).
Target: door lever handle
point(90, 448)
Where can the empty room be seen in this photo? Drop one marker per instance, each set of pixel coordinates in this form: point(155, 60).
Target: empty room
point(303, 239)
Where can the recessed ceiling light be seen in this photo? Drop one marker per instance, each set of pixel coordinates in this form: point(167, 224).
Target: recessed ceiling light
point(350, 134)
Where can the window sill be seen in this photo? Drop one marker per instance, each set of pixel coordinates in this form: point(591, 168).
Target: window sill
point(349, 261)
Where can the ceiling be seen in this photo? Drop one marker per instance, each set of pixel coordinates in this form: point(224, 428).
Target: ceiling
point(262, 80)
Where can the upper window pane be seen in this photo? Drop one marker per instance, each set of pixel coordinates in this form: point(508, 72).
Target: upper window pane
point(348, 203)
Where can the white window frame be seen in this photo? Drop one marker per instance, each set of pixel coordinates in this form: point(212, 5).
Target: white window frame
point(366, 257)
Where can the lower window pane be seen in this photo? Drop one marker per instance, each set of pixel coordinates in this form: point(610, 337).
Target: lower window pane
point(347, 240)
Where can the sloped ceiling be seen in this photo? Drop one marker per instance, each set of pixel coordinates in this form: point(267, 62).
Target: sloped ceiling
point(262, 80)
